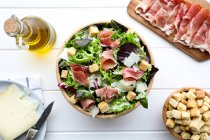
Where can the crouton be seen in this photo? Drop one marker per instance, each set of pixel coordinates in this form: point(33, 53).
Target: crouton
point(185, 115)
point(144, 65)
point(103, 107)
point(185, 135)
point(177, 129)
point(178, 121)
point(184, 102)
point(204, 129)
point(73, 100)
point(190, 95)
point(195, 125)
point(173, 102)
point(186, 122)
point(203, 109)
point(71, 51)
point(206, 99)
point(176, 114)
point(191, 103)
point(170, 123)
point(204, 136)
point(169, 114)
point(131, 95)
point(206, 116)
point(194, 112)
point(200, 94)
point(199, 103)
point(181, 107)
point(93, 31)
point(195, 137)
point(177, 96)
point(93, 68)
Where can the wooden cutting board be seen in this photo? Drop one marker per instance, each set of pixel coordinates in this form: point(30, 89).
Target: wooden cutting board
point(194, 53)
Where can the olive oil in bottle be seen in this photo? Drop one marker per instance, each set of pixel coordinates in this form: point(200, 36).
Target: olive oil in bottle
point(31, 33)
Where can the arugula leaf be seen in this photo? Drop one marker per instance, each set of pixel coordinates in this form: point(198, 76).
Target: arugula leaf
point(119, 104)
point(118, 26)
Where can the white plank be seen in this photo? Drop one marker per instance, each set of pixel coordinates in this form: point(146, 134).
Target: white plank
point(65, 118)
point(64, 3)
point(111, 135)
point(176, 68)
point(66, 21)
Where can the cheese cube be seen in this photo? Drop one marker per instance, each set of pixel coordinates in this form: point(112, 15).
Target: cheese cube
point(181, 107)
point(144, 65)
point(191, 104)
point(190, 95)
point(170, 123)
point(93, 68)
point(195, 125)
point(103, 106)
point(176, 114)
point(203, 109)
point(169, 114)
point(185, 135)
point(186, 122)
point(177, 129)
point(177, 96)
point(185, 115)
point(204, 136)
point(199, 103)
point(206, 116)
point(195, 112)
point(184, 102)
point(200, 94)
point(204, 129)
point(64, 73)
point(73, 100)
point(93, 31)
point(195, 137)
point(71, 51)
point(131, 95)
point(173, 102)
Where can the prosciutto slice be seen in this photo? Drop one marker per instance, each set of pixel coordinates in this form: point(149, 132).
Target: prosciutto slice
point(87, 104)
point(129, 74)
point(192, 11)
point(195, 24)
point(79, 74)
point(144, 5)
point(107, 60)
point(106, 39)
point(181, 12)
point(107, 93)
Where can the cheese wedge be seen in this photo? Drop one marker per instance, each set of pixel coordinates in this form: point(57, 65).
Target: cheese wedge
point(17, 112)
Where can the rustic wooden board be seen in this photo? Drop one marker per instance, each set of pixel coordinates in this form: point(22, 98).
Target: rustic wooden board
point(194, 53)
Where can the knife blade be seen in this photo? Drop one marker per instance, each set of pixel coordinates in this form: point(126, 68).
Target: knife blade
point(34, 130)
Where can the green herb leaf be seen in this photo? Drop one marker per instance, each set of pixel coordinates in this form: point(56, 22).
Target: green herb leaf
point(84, 94)
point(142, 97)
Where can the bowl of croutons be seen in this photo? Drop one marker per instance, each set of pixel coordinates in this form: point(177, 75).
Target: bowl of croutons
point(186, 114)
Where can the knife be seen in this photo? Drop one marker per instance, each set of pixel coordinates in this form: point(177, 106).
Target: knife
point(34, 130)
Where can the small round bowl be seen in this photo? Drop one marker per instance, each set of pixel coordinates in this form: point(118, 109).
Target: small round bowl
point(79, 108)
point(166, 105)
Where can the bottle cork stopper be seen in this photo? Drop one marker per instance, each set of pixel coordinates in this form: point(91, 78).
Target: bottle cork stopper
point(12, 26)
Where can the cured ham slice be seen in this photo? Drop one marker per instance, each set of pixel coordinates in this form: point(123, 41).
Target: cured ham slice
point(152, 11)
point(87, 104)
point(107, 60)
point(169, 25)
point(195, 24)
point(106, 39)
point(144, 5)
point(181, 12)
point(160, 18)
point(79, 74)
point(107, 93)
point(192, 11)
point(129, 74)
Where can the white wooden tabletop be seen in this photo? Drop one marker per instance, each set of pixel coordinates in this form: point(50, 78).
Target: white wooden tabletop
point(65, 123)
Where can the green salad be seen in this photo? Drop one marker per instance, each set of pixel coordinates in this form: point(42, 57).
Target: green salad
point(105, 69)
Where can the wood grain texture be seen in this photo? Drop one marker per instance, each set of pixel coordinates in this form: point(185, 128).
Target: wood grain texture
point(79, 108)
point(166, 104)
point(194, 53)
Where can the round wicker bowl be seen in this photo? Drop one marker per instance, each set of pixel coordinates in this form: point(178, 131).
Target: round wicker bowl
point(166, 105)
point(101, 116)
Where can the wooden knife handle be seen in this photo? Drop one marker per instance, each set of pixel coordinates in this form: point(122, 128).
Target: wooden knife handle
point(31, 134)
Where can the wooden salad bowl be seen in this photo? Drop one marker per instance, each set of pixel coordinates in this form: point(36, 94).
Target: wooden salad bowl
point(79, 108)
point(166, 105)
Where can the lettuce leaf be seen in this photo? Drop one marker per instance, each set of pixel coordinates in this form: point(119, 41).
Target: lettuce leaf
point(84, 94)
point(130, 38)
point(119, 104)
